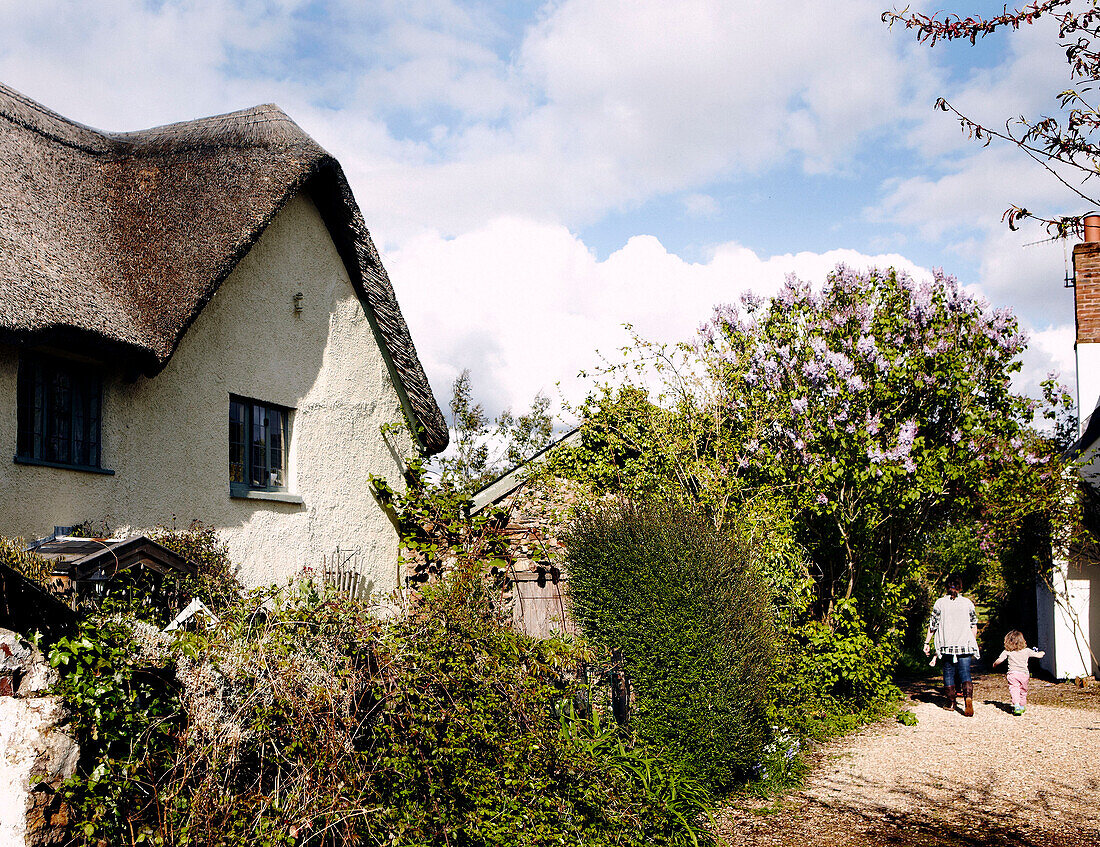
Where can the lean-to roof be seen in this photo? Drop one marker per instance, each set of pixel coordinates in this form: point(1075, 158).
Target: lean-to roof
point(116, 241)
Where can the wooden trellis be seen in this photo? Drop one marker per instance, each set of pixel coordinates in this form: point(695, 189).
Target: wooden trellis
point(343, 570)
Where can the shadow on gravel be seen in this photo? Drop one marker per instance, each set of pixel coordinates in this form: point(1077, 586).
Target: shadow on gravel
point(926, 689)
point(916, 831)
point(974, 814)
point(885, 809)
point(817, 823)
point(872, 810)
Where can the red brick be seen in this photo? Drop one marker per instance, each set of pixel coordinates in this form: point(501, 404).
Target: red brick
point(1086, 275)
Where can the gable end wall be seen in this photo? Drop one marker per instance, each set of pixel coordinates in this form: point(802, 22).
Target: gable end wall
point(166, 438)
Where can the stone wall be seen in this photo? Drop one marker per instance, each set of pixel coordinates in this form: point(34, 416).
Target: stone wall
point(33, 745)
point(534, 584)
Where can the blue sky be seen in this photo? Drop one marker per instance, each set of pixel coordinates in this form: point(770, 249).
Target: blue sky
point(537, 174)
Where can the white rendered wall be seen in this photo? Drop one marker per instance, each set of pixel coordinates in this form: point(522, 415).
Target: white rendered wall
point(1065, 621)
point(1045, 628)
point(166, 438)
point(1088, 381)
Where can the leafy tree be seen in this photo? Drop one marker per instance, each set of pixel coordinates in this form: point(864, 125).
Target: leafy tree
point(1065, 142)
point(484, 448)
point(880, 410)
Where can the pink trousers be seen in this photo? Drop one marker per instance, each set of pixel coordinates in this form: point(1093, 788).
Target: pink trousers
point(1017, 688)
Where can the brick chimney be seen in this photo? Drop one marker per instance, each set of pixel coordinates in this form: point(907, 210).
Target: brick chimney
point(1086, 299)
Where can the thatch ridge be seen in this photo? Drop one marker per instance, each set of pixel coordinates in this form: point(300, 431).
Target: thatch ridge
point(120, 239)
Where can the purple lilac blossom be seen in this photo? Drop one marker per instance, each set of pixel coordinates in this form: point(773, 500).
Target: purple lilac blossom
point(814, 371)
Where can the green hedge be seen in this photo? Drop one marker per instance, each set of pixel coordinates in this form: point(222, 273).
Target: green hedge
point(691, 617)
point(316, 723)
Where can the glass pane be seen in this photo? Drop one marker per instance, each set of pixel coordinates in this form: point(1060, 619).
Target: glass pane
point(60, 406)
point(259, 447)
point(94, 391)
point(237, 440)
point(39, 413)
point(80, 444)
point(276, 420)
point(58, 412)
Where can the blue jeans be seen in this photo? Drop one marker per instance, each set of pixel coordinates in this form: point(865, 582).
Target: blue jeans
point(956, 671)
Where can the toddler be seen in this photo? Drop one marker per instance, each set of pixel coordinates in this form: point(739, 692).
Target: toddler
point(1017, 652)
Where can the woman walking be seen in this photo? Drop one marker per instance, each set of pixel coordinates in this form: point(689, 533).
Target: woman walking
point(954, 626)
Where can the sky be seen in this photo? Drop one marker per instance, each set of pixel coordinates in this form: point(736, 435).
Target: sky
point(538, 174)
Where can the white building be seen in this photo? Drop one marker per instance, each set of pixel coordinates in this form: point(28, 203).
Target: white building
point(195, 325)
point(1069, 603)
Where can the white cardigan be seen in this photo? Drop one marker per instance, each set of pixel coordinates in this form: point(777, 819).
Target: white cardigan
point(952, 624)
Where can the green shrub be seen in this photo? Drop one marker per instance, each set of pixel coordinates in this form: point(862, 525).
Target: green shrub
point(479, 743)
point(127, 718)
point(14, 554)
point(832, 677)
point(686, 608)
point(907, 718)
point(302, 719)
point(842, 660)
point(216, 580)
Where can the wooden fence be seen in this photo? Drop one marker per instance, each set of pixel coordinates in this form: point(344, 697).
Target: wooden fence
point(541, 603)
point(343, 570)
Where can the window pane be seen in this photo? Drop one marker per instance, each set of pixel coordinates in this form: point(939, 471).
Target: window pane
point(39, 412)
point(259, 447)
point(257, 444)
point(237, 440)
point(275, 452)
point(79, 450)
point(93, 423)
point(60, 411)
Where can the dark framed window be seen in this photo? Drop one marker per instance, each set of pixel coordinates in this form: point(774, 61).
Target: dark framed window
point(258, 435)
point(58, 408)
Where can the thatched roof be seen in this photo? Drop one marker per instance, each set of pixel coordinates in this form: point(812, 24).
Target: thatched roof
point(115, 241)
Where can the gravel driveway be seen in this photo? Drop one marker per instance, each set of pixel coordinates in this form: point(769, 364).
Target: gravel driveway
point(993, 779)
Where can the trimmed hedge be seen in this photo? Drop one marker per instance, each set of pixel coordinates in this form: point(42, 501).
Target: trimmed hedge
point(691, 617)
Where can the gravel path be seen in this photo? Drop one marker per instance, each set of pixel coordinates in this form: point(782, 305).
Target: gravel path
point(994, 779)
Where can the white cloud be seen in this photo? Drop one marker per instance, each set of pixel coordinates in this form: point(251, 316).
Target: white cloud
point(445, 120)
point(125, 65)
point(700, 206)
point(472, 146)
point(1025, 82)
point(633, 100)
point(525, 305)
point(971, 195)
point(961, 211)
point(1050, 352)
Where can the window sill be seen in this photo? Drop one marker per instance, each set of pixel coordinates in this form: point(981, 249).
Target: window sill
point(24, 460)
point(272, 496)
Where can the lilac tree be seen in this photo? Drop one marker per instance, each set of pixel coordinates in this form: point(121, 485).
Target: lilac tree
point(883, 410)
point(873, 411)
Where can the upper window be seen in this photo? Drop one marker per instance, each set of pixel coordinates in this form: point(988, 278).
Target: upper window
point(257, 445)
point(59, 413)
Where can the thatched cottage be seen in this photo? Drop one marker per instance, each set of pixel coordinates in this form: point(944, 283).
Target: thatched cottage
point(195, 324)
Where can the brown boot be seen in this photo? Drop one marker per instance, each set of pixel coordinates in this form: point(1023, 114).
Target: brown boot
point(968, 698)
point(950, 707)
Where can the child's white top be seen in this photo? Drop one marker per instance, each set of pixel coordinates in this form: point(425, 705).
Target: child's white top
point(1017, 659)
